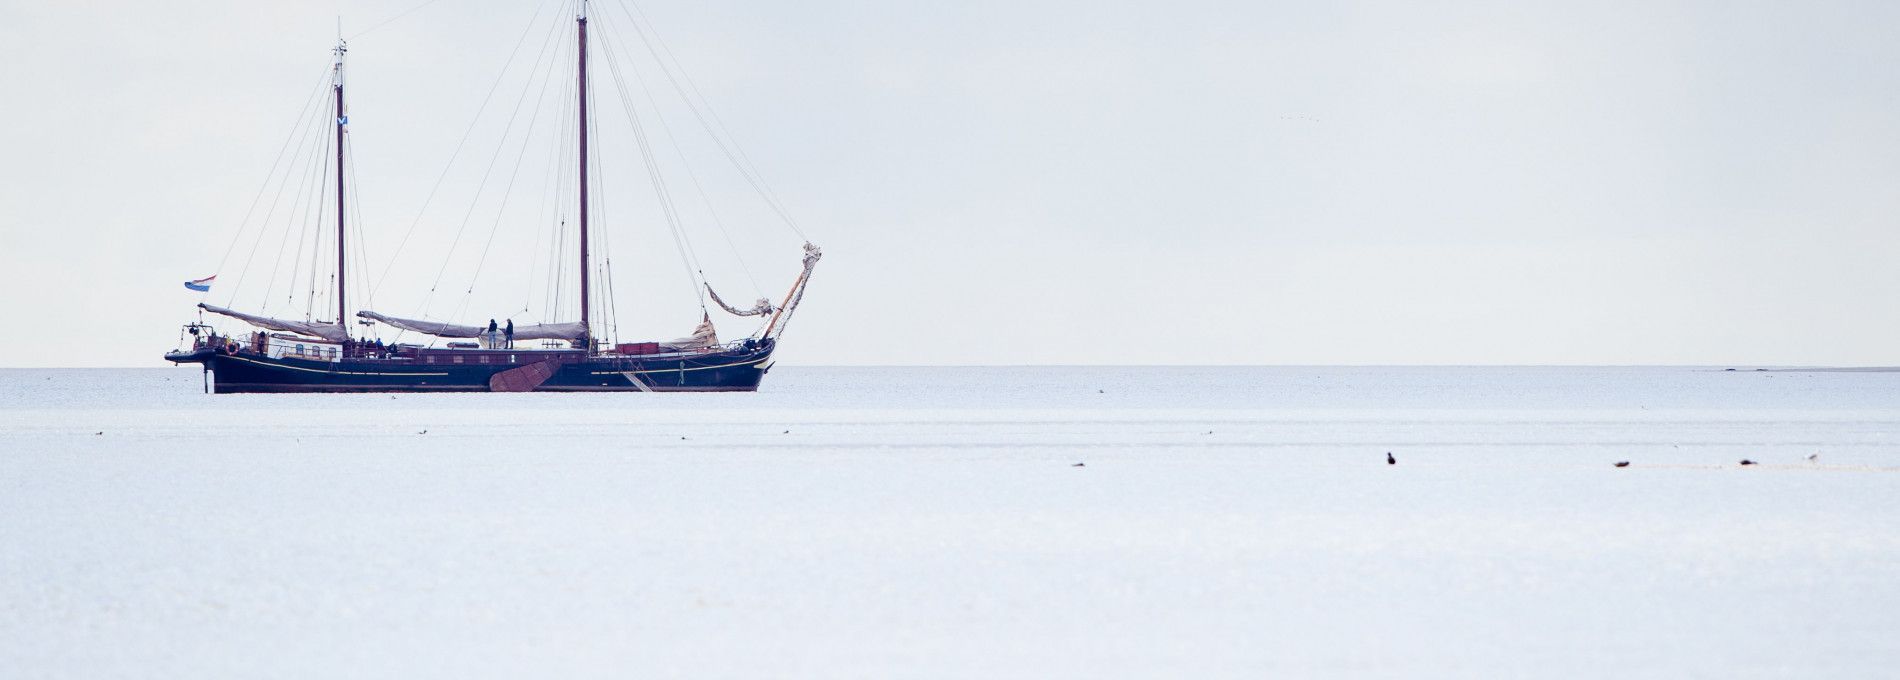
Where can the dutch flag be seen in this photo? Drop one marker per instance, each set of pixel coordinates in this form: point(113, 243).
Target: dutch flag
point(201, 285)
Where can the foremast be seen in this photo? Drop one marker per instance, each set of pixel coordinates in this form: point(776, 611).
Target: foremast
point(587, 329)
point(342, 121)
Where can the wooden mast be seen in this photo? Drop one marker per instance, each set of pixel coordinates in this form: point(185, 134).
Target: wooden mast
point(587, 330)
point(342, 317)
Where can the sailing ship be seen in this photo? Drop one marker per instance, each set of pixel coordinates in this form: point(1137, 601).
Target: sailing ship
point(323, 355)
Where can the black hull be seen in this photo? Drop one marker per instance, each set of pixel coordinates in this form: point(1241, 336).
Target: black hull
point(736, 370)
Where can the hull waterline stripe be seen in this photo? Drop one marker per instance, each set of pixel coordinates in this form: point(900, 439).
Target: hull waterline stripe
point(329, 372)
point(753, 362)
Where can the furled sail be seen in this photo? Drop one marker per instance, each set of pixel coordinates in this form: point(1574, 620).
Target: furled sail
point(784, 316)
point(333, 332)
point(703, 336)
point(760, 308)
point(544, 331)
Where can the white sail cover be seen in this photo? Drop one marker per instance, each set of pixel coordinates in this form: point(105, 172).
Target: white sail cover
point(761, 307)
point(703, 336)
point(334, 332)
point(543, 331)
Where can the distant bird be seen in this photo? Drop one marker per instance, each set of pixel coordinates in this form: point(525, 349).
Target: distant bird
point(1100, 392)
point(1622, 463)
point(1078, 465)
point(99, 433)
point(1208, 432)
point(423, 432)
point(1746, 461)
point(786, 432)
point(682, 439)
point(1813, 456)
point(1389, 460)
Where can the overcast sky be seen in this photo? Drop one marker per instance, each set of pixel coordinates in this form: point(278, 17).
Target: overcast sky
point(1035, 181)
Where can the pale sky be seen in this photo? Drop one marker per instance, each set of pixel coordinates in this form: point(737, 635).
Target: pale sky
point(1032, 181)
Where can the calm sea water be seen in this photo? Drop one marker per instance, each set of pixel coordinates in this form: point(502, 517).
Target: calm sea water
point(934, 522)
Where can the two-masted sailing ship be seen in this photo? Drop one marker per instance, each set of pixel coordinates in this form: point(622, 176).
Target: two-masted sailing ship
point(315, 354)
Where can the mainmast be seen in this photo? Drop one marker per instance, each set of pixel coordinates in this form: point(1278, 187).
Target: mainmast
point(336, 83)
point(587, 330)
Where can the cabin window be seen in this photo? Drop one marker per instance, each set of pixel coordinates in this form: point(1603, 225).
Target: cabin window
point(511, 358)
point(458, 359)
point(300, 348)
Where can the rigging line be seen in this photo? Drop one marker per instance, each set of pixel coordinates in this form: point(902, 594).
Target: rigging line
point(317, 242)
point(597, 194)
point(534, 71)
point(448, 256)
point(310, 287)
point(295, 218)
point(316, 233)
point(556, 269)
point(602, 244)
point(738, 161)
point(553, 309)
point(534, 262)
point(557, 244)
point(705, 198)
point(711, 111)
point(596, 206)
point(751, 177)
point(290, 295)
point(262, 226)
point(747, 169)
point(297, 206)
point(658, 180)
point(559, 264)
point(526, 30)
point(319, 185)
point(330, 286)
point(318, 249)
point(541, 210)
point(508, 191)
point(291, 169)
point(564, 172)
point(460, 307)
point(294, 133)
point(361, 238)
point(613, 307)
point(611, 303)
point(386, 22)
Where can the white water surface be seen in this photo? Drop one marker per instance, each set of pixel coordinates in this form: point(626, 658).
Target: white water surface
point(932, 523)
